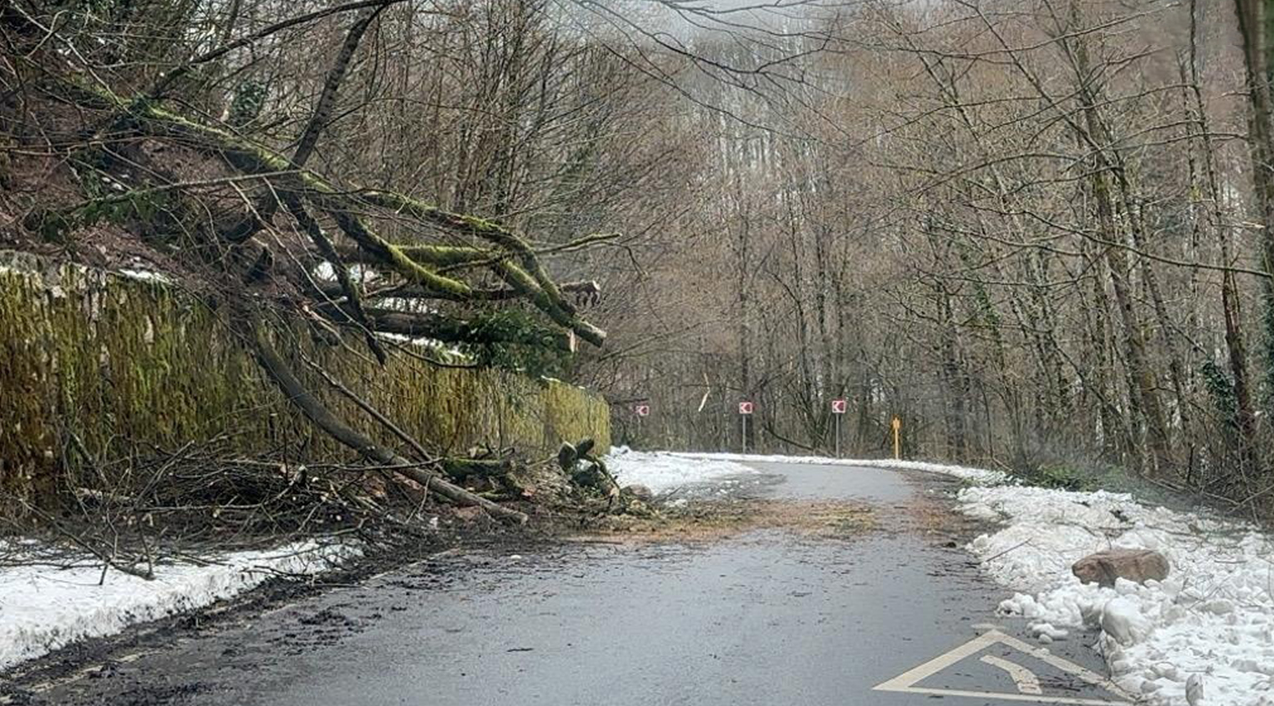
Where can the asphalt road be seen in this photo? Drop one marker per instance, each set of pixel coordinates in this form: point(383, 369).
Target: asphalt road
point(767, 618)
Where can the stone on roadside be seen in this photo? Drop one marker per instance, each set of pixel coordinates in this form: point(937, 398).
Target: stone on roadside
point(639, 492)
point(1137, 565)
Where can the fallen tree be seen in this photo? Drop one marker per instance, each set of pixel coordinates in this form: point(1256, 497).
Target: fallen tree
point(317, 412)
point(263, 231)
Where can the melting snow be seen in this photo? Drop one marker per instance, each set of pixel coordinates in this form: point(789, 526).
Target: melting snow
point(973, 475)
point(664, 470)
point(661, 471)
point(146, 275)
point(1208, 627)
point(43, 608)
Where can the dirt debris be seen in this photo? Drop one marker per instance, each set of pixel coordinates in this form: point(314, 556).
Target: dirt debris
point(714, 521)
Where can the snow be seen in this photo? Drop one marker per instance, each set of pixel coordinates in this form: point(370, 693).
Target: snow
point(43, 608)
point(662, 471)
point(1205, 635)
point(327, 273)
point(973, 475)
point(452, 354)
point(145, 275)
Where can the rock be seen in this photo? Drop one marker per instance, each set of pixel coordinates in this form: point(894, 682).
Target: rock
point(1138, 565)
point(639, 492)
point(1219, 606)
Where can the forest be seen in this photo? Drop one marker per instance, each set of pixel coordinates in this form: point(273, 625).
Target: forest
point(1037, 233)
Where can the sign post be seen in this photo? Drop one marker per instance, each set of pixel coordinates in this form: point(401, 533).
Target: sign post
point(897, 425)
point(642, 410)
point(839, 407)
point(745, 411)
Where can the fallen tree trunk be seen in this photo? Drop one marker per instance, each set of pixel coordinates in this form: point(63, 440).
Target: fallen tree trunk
point(460, 468)
point(588, 289)
point(314, 409)
point(427, 270)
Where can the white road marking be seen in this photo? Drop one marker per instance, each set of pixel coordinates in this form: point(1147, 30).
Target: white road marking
point(1025, 679)
point(998, 696)
point(906, 682)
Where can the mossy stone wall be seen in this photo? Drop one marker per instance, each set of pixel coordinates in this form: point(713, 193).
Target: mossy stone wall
point(131, 367)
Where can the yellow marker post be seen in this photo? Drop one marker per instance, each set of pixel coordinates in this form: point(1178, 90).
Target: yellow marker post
point(897, 425)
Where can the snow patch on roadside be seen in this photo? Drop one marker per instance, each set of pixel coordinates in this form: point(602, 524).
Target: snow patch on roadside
point(1210, 621)
point(43, 608)
point(662, 471)
point(980, 476)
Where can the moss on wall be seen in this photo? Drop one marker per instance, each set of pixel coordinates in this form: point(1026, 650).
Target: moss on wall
point(131, 366)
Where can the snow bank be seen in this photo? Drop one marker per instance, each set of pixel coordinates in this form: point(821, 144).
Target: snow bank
point(662, 471)
point(43, 608)
point(973, 475)
point(1210, 624)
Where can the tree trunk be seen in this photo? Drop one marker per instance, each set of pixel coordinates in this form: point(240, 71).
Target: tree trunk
point(1252, 15)
point(314, 409)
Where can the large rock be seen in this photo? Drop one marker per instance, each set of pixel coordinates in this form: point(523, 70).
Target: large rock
point(1139, 565)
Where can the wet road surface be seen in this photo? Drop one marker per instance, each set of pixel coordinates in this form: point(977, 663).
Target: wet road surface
point(764, 618)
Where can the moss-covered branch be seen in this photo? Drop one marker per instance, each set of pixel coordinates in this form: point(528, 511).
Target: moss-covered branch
point(353, 308)
point(483, 228)
point(529, 279)
point(255, 159)
point(586, 288)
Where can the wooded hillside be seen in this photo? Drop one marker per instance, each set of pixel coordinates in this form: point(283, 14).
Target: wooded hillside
point(1039, 234)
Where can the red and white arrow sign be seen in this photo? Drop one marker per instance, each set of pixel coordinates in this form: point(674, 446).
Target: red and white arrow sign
point(642, 410)
point(745, 408)
point(840, 406)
